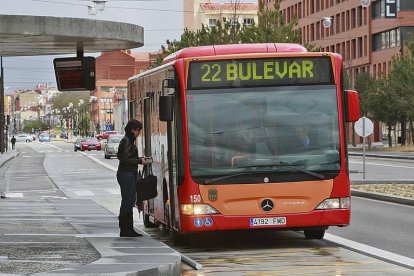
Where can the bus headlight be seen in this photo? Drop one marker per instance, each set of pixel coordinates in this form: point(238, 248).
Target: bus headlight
point(334, 203)
point(198, 209)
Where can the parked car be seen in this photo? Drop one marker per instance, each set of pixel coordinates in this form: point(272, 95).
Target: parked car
point(77, 145)
point(44, 137)
point(90, 143)
point(24, 138)
point(111, 146)
point(106, 134)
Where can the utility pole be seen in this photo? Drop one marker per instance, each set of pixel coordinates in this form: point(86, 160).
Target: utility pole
point(2, 120)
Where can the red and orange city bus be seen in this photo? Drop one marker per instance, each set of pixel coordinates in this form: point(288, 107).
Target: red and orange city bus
point(222, 125)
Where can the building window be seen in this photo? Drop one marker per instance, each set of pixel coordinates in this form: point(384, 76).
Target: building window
point(360, 16)
point(212, 22)
point(312, 32)
point(353, 48)
point(353, 18)
point(248, 21)
point(121, 89)
point(360, 47)
point(106, 88)
point(233, 21)
point(385, 40)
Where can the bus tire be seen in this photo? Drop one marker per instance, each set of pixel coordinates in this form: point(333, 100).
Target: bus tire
point(314, 234)
point(147, 222)
point(178, 238)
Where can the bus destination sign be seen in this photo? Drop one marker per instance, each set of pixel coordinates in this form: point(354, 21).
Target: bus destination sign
point(260, 72)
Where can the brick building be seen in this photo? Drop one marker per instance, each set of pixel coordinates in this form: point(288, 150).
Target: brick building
point(367, 37)
point(209, 12)
point(112, 72)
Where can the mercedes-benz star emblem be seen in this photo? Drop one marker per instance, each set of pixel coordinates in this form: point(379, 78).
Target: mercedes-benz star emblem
point(267, 205)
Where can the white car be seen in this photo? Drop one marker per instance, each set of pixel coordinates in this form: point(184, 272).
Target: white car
point(24, 138)
point(111, 146)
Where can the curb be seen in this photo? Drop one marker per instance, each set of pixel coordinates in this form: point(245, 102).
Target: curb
point(7, 157)
point(381, 155)
point(382, 197)
point(362, 182)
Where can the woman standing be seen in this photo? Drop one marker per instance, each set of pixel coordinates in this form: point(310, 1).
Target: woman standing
point(127, 176)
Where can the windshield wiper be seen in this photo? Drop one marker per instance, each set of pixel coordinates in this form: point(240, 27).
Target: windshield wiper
point(215, 179)
point(290, 166)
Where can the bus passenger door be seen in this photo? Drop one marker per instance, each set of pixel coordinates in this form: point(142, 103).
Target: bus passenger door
point(170, 102)
point(147, 140)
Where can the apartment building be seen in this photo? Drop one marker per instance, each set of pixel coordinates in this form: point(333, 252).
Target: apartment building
point(112, 72)
point(367, 37)
point(209, 12)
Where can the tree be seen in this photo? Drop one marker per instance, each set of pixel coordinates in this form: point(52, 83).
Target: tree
point(382, 105)
point(271, 28)
point(401, 84)
point(364, 84)
point(63, 99)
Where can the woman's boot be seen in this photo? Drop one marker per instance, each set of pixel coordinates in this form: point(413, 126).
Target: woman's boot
point(126, 224)
point(131, 225)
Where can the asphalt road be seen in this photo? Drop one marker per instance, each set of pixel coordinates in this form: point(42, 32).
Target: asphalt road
point(383, 225)
point(382, 169)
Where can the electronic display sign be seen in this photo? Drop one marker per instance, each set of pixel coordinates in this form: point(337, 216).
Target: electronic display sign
point(260, 72)
point(75, 73)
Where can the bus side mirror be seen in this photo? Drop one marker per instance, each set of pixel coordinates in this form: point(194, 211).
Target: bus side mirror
point(166, 108)
point(168, 83)
point(352, 104)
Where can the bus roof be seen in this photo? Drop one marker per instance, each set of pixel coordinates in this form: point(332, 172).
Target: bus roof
point(228, 49)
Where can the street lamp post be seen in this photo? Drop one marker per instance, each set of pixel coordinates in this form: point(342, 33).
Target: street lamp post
point(93, 99)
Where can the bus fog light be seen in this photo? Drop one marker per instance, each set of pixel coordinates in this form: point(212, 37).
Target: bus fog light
point(198, 209)
point(187, 209)
point(345, 202)
point(334, 203)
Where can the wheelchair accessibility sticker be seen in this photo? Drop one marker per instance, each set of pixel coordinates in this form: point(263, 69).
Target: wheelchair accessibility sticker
point(199, 222)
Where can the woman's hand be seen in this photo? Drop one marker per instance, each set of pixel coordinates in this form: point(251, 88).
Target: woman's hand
point(146, 160)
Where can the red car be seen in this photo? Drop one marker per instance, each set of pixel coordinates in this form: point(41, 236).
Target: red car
point(106, 134)
point(90, 143)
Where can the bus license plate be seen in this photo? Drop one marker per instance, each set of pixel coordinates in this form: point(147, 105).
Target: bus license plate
point(267, 221)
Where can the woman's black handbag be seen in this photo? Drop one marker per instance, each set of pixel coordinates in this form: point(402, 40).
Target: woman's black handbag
point(146, 185)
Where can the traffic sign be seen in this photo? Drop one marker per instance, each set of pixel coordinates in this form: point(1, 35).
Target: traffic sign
point(364, 127)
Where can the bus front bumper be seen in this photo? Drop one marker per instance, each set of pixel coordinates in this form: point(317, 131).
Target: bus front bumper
point(316, 218)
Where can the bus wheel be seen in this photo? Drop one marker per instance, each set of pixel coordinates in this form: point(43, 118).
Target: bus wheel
point(178, 238)
point(316, 234)
point(147, 222)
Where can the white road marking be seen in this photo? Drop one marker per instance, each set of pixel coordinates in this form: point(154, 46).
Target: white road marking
point(14, 195)
point(54, 197)
point(100, 162)
point(83, 192)
point(384, 165)
point(371, 251)
point(113, 191)
point(53, 146)
point(385, 202)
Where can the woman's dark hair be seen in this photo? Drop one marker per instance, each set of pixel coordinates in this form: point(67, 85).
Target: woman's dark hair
point(132, 125)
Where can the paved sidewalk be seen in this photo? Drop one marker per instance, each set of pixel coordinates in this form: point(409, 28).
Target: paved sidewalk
point(91, 222)
point(4, 157)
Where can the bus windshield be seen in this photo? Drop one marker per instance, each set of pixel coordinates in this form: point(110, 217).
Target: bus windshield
point(255, 130)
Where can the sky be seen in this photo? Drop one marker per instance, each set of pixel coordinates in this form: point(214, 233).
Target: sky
point(161, 20)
